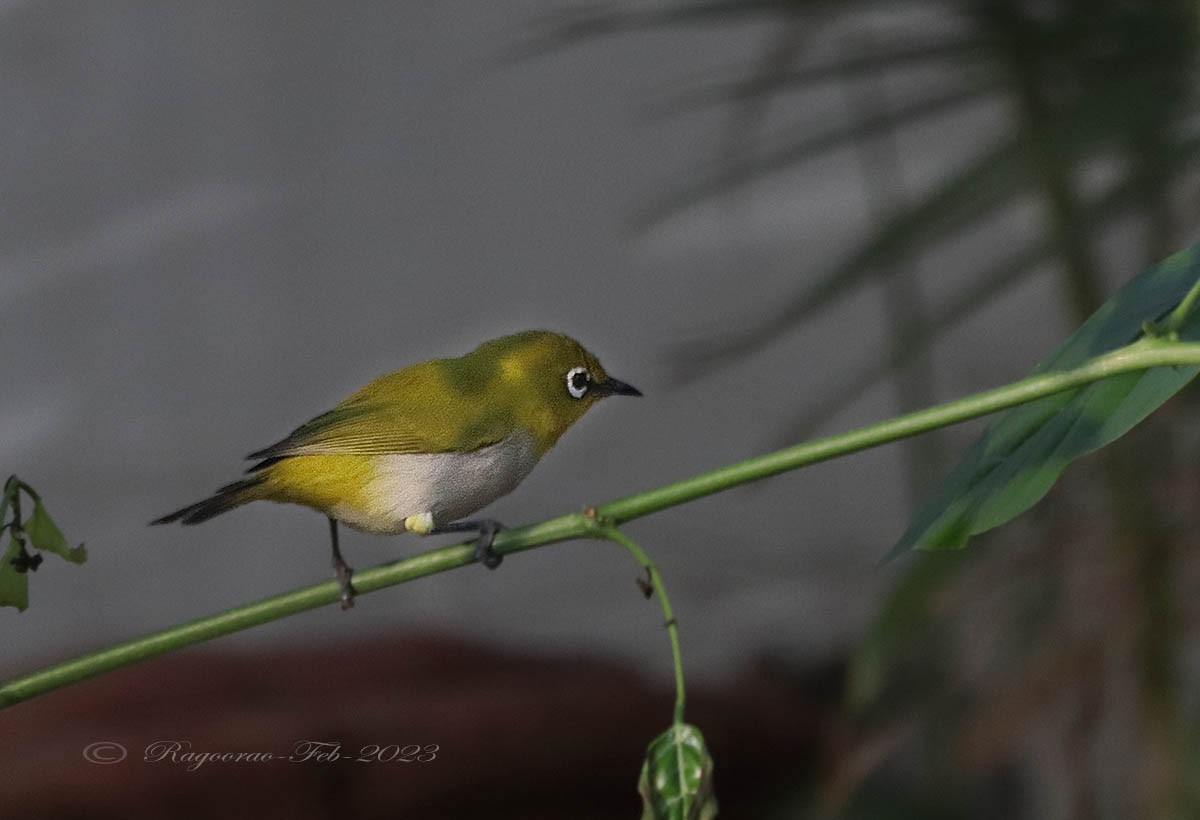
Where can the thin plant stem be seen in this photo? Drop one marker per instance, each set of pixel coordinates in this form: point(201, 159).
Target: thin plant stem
point(1175, 319)
point(614, 534)
point(1141, 355)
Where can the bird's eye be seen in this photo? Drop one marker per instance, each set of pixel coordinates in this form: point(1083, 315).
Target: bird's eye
point(578, 380)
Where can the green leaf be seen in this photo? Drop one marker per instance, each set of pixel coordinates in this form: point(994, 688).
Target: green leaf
point(846, 64)
point(807, 145)
point(911, 606)
point(991, 180)
point(14, 586)
point(45, 535)
point(1024, 450)
point(676, 781)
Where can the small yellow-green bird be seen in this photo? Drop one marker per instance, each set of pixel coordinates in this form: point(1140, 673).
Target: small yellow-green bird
point(420, 449)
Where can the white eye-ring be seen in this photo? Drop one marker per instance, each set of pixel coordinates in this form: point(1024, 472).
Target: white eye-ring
point(578, 380)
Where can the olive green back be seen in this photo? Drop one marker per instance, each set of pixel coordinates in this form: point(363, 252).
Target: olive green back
point(516, 382)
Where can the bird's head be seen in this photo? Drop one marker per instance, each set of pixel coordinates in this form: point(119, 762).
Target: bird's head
point(546, 379)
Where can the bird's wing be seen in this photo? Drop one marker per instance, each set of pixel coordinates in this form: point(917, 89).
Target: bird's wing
point(395, 414)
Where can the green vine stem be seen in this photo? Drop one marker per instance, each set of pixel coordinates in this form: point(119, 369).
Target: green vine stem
point(1171, 324)
point(605, 530)
point(1143, 354)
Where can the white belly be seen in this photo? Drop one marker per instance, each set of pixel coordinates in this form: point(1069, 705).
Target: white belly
point(448, 486)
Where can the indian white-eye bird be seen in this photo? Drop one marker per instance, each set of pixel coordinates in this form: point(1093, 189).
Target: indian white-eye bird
point(420, 449)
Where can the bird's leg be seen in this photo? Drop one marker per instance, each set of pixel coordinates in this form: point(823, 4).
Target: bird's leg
point(344, 571)
point(487, 529)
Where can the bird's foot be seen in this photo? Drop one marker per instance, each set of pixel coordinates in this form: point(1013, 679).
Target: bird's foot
point(487, 529)
point(344, 573)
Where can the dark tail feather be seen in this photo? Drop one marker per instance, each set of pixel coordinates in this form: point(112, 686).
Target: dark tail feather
point(224, 500)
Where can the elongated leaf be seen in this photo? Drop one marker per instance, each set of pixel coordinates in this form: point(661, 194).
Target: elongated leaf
point(676, 781)
point(807, 145)
point(1115, 203)
point(573, 27)
point(45, 535)
point(992, 179)
point(14, 586)
point(1025, 449)
point(911, 606)
point(892, 56)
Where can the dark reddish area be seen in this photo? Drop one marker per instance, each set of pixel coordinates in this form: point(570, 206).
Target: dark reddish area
point(519, 736)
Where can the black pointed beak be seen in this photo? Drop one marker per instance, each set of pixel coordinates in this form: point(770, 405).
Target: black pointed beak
point(615, 387)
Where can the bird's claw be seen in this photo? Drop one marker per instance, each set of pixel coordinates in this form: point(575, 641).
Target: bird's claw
point(483, 546)
point(344, 574)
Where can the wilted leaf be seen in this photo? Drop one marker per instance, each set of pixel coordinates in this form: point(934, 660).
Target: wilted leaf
point(39, 532)
point(676, 781)
point(14, 585)
point(45, 535)
point(1025, 449)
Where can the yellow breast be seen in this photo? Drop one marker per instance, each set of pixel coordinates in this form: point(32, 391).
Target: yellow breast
point(376, 493)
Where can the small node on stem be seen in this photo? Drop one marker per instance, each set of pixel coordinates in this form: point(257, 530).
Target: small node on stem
point(595, 523)
point(1163, 329)
point(646, 585)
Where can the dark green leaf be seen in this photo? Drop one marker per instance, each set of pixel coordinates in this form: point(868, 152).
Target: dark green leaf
point(676, 781)
point(807, 145)
point(45, 535)
point(1113, 204)
point(1023, 451)
point(14, 586)
point(888, 57)
point(573, 27)
point(911, 606)
point(990, 181)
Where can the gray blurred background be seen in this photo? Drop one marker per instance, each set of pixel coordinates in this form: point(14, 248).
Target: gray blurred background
point(777, 220)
